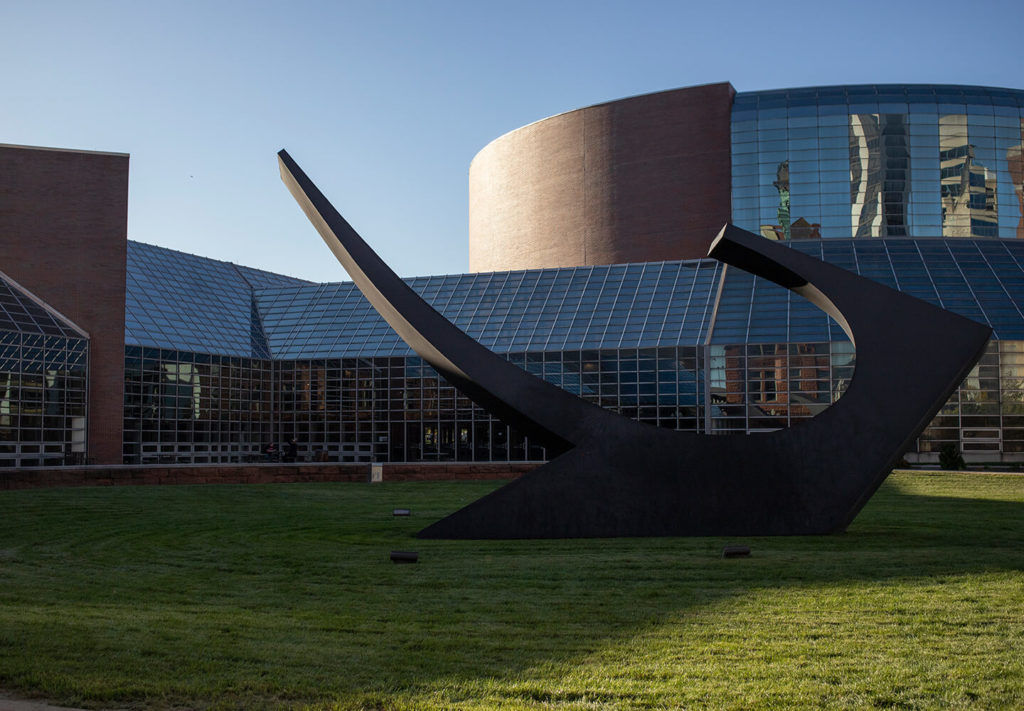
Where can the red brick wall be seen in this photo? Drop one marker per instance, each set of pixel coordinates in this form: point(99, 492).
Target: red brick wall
point(63, 236)
point(251, 474)
point(640, 179)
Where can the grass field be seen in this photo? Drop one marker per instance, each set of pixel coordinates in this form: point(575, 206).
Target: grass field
point(283, 596)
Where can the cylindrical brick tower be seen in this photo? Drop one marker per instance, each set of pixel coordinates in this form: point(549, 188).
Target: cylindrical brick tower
point(640, 179)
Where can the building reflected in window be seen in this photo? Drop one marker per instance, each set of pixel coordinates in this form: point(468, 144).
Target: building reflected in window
point(968, 188)
point(786, 228)
point(1015, 167)
point(879, 175)
point(782, 185)
point(879, 161)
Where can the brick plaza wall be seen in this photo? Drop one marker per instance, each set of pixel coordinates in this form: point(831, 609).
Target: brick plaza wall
point(128, 475)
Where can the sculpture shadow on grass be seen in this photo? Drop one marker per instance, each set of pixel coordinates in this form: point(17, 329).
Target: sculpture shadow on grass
point(612, 476)
point(265, 593)
point(525, 606)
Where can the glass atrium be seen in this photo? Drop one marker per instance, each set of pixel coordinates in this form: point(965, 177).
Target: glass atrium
point(43, 365)
point(689, 345)
point(918, 187)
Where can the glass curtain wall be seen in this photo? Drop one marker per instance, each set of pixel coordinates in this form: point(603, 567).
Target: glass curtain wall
point(197, 408)
point(762, 387)
point(398, 409)
point(42, 399)
point(879, 161)
point(986, 414)
point(44, 363)
point(770, 386)
point(183, 407)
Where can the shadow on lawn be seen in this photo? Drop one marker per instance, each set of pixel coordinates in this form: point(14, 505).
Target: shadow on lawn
point(248, 595)
point(528, 605)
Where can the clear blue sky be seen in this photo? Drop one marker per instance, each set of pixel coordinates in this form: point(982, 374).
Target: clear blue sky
point(384, 104)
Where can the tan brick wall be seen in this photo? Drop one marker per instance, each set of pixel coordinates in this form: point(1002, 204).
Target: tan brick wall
point(63, 236)
point(641, 179)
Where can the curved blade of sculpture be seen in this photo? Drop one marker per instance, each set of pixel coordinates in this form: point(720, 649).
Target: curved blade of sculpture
point(613, 476)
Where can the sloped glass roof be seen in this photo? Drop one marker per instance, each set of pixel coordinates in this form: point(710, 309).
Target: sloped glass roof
point(20, 312)
point(980, 279)
point(184, 302)
point(618, 306)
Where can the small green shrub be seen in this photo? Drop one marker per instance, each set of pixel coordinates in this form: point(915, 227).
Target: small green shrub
point(950, 458)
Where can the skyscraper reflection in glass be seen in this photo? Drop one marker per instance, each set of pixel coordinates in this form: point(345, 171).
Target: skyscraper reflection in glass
point(879, 161)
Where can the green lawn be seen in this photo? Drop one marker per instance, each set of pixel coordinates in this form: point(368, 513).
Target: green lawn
point(283, 596)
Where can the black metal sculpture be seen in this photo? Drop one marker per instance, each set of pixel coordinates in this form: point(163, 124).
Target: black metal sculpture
point(612, 476)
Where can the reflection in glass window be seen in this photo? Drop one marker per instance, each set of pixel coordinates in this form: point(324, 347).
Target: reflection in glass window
point(1015, 167)
point(910, 161)
point(967, 188)
point(879, 175)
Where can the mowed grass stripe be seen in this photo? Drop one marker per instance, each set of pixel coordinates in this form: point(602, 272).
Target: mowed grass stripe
point(282, 596)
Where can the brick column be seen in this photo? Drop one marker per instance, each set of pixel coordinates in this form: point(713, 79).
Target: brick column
point(63, 236)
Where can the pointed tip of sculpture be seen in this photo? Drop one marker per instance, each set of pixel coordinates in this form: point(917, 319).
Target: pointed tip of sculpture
point(718, 238)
